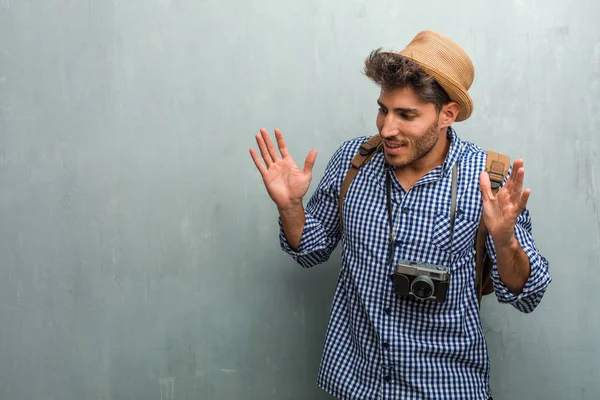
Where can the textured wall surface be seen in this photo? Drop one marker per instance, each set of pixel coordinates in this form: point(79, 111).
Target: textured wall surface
point(139, 256)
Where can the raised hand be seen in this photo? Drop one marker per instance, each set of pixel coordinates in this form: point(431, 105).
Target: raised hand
point(285, 182)
point(500, 212)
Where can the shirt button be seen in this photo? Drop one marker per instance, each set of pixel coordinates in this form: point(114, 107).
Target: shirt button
point(404, 210)
point(386, 345)
point(387, 378)
point(388, 311)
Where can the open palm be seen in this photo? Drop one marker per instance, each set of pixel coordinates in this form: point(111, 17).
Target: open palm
point(500, 212)
point(285, 182)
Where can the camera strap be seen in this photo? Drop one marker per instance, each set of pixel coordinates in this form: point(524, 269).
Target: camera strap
point(453, 209)
point(388, 195)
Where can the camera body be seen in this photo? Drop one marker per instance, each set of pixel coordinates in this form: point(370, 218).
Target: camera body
point(421, 280)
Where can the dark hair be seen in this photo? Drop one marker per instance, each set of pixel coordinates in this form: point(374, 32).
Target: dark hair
point(394, 71)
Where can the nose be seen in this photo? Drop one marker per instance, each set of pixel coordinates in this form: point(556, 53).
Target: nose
point(389, 128)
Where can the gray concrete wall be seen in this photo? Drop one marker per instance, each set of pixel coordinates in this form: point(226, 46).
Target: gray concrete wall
point(139, 256)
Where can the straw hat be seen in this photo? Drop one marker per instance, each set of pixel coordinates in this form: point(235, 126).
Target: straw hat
point(448, 63)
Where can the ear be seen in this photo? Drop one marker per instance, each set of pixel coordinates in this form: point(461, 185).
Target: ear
point(448, 114)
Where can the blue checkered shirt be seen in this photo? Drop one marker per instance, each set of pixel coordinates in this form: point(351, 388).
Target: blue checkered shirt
point(378, 345)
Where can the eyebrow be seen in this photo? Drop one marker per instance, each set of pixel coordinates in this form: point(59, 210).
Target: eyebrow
point(400, 109)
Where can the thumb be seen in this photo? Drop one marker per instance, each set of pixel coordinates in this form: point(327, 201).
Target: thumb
point(310, 161)
point(486, 186)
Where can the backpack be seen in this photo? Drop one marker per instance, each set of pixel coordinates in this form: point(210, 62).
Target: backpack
point(497, 166)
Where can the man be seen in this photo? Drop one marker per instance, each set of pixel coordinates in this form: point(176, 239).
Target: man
point(380, 345)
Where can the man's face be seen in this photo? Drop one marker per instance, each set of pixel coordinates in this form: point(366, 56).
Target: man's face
point(409, 128)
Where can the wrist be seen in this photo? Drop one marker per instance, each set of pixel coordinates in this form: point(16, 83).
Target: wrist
point(507, 243)
point(291, 207)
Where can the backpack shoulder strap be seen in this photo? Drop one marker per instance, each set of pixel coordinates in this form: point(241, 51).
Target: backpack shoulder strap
point(497, 166)
point(365, 153)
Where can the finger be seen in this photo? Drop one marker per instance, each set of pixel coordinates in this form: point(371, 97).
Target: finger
point(486, 186)
point(270, 147)
point(519, 177)
point(259, 165)
point(518, 164)
point(512, 179)
point(524, 200)
point(263, 150)
point(516, 187)
point(281, 144)
point(310, 161)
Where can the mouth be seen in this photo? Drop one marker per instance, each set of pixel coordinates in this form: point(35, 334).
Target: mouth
point(392, 147)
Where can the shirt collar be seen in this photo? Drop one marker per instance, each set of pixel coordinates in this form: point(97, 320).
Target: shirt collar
point(454, 151)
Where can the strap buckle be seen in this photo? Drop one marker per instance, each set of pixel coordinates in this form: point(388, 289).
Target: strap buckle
point(366, 149)
point(495, 181)
point(496, 174)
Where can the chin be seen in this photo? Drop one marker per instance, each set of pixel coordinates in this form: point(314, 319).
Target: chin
point(397, 161)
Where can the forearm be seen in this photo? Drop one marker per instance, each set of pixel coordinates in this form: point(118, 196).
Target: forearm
point(513, 265)
point(293, 221)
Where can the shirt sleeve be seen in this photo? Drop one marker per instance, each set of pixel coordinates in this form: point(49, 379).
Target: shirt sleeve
point(321, 233)
point(539, 277)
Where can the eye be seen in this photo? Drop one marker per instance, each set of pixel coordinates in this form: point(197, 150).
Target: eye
point(382, 110)
point(407, 117)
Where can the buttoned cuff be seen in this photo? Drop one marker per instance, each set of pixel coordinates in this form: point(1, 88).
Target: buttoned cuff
point(534, 287)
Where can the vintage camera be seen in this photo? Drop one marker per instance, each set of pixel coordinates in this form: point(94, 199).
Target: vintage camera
point(422, 281)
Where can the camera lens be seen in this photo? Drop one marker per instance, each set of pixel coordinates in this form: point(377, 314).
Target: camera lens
point(422, 287)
